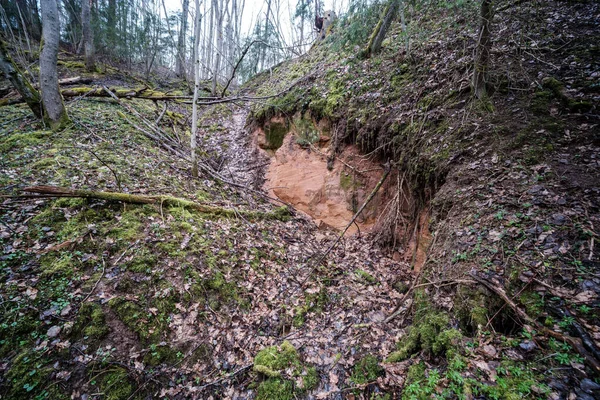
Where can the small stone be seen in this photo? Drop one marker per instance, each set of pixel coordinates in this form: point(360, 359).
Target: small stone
point(527, 345)
point(490, 350)
point(535, 189)
point(65, 311)
point(561, 201)
point(53, 331)
point(589, 386)
point(558, 219)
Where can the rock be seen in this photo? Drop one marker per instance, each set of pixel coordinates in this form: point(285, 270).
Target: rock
point(535, 189)
point(65, 311)
point(581, 395)
point(589, 386)
point(490, 350)
point(53, 331)
point(558, 219)
point(527, 345)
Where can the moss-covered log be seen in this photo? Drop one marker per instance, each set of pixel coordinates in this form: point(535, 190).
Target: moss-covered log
point(168, 201)
point(140, 93)
point(20, 82)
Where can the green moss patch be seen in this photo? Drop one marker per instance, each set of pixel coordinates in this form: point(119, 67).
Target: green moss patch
point(273, 364)
point(366, 370)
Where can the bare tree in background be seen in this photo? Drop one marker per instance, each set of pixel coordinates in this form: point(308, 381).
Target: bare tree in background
point(180, 62)
point(197, 32)
point(88, 38)
point(54, 109)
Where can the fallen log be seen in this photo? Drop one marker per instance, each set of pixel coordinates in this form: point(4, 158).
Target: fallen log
point(121, 92)
point(70, 81)
point(280, 213)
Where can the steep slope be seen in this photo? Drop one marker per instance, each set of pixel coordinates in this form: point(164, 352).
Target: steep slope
point(508, 187)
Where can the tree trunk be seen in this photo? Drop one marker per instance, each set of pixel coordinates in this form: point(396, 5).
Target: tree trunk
point(265, 37)
point(482, 55)
point(209, 44)
point(197, 31)
point(36, 24)
point(88, 38)
point(54, 108)
point(219, 16)
point(382, 27)
point(180, 62)
point(19, 81)
point(111, 22)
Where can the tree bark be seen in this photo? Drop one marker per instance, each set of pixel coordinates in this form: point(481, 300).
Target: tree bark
point(19, 81)
point(54, 109)
point(197, 31)
point(180, 62)
point(88, 38)
point(482, 55)
point(382, 27)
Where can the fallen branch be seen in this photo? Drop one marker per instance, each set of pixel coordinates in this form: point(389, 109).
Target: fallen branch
point(496, 288)
point(161, 200)
point(236, 67)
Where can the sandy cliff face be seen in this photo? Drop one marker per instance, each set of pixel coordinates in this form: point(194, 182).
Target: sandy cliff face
point(298, 174)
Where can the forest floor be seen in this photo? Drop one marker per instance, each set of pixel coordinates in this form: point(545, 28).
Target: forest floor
point(110, 300)
point(125, 299)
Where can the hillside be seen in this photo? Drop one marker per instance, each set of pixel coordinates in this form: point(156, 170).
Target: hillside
point(361, 227)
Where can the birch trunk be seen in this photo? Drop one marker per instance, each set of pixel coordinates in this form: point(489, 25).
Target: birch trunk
point(180, 65)
point(219, 16)
point(54, 109)
point(197, 32)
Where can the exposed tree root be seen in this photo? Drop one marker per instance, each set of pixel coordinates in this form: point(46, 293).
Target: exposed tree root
point(162, 200)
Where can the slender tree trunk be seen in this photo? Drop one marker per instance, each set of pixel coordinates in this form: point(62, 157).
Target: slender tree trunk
point(88, 38)
point(36, 24)
point(382, 27)
point(19, 81)
point(482, 55)
point(180, 62)
point(111, 26)
point(54, 109)
point(209, 43)
point(197, 32)
point(219, 16)
point(24, 24)
point(265, 37)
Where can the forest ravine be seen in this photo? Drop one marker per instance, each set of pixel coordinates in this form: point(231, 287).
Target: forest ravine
point(413, 218)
